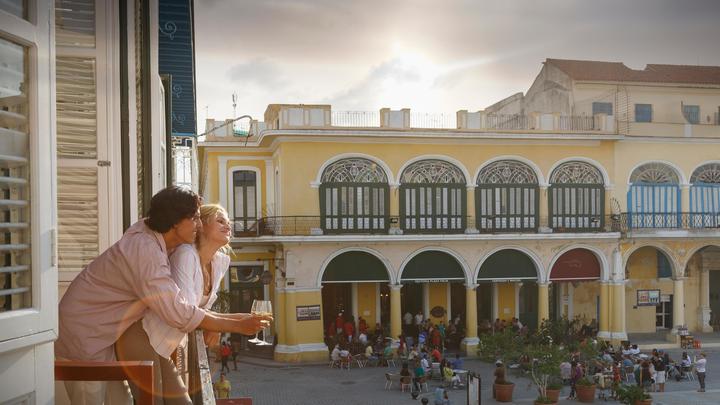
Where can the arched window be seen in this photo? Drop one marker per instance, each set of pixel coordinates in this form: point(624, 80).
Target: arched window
point(244, 202)
point(432, 197)
point(654, 197)
point(705, 196)
point(506, 197)
point(354, 197)
point(577, 197)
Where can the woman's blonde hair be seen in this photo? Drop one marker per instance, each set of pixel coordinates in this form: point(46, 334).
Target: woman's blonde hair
point(208, 213)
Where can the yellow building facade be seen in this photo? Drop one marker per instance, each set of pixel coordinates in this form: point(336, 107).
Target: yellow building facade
point(600, 202)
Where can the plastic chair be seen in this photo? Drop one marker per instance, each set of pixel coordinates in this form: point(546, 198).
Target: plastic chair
point(405, 382)
point(345, 361)
point(391, 361)
point(423, 382)
point(388, 381)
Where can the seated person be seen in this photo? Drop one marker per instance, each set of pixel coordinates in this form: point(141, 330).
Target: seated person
point(425, 364)
point(362, 338)
point(441, 397)
point(413, 353)
point(405, 373)
point(419, 375)
point(388, 352)
point(634, 350)
point(457, 364)
point(335, 354)
point(449, 376)
point(370, 355)
point(435, 354)
point(565, 371)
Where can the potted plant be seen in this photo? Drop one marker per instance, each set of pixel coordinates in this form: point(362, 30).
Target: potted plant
point(503, 391)
point(633, 395)
point(545, 370)
point(585, 388)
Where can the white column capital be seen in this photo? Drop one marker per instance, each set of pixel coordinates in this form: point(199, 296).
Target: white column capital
point(395, 287)
point(682, 278)
point(471, 286)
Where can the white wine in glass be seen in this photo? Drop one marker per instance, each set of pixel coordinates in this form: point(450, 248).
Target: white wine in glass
point(253, 310)
point(263, 308)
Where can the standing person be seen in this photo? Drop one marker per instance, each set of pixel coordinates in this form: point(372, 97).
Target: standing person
point(419, 322)
point(660, 374)
point(408, 321)
point(575, 376)
point(225, 353)
point(222, 387)
point(339, 322)
point(700, 365)
point(113, 293)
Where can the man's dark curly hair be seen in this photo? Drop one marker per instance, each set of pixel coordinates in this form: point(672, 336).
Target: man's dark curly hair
point(170, 206)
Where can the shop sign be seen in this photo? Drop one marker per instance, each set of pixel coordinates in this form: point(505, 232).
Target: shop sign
point(308, 313)
point(648, 297)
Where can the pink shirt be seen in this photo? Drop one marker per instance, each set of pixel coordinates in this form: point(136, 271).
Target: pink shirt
point(115, 290)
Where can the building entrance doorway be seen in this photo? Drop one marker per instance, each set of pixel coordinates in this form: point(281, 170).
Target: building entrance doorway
point(664, 314)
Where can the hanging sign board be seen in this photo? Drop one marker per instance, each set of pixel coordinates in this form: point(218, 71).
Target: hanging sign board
point(648, 297)
point(308, 313)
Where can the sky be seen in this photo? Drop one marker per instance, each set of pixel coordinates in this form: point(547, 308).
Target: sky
point(436, 56)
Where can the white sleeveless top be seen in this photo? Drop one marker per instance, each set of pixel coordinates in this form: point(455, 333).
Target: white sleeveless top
point(185, 269)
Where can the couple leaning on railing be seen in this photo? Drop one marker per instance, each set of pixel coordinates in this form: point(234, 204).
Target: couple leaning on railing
point(139, 299)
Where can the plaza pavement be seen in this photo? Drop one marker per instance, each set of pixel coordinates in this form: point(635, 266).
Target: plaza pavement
point(272, 383)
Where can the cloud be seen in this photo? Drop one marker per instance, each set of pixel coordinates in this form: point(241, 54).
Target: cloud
point(259, 72)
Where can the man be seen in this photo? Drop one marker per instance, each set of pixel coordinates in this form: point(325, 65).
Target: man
point(111, 295)
point(225, 353)
point(222, 387)
point(700, 365)
point(408, 320)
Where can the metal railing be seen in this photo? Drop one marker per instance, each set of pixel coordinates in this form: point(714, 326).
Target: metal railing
point(433, 120)
point(355, 119)
point(674, 220)
point(578, 123)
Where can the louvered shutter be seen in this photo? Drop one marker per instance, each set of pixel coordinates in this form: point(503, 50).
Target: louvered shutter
point(15, 274)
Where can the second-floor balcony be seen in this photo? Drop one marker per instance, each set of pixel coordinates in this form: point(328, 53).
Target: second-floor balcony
point(306, 225)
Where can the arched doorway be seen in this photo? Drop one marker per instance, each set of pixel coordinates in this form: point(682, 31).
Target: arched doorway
point(428, 280)
point(511, 275)
point(703, 289)
point(575, 287)
point(354, 286)
point(649, 293)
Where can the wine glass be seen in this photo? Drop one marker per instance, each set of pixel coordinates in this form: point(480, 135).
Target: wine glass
point(253, 310)
point(263, 308)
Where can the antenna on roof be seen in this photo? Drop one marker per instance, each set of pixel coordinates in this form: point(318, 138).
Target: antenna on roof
point(234, 103)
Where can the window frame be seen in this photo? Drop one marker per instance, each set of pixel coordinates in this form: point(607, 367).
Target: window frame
point(488, 220)
point(230, 207)
point(649, 112)
point(246, 230)
point(563, 197)
point(691, 117)
point(41, 319)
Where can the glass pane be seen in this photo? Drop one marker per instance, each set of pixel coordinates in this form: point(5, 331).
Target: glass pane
point(251, 202)
point(15, 271)
point(75, 23)
point(17, 8)
point(239, 202)
point(76, 108)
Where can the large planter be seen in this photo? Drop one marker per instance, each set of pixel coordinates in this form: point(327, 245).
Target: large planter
point(644, 402)
point(503, 392)
point(553, 395)
point(585, 393)
point(545, 403)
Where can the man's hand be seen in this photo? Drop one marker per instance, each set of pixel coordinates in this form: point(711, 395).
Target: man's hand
point(211, 338)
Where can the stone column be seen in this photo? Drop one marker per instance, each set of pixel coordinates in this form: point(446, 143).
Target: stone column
point(617, 324)
point(394, 229)
point(704, 309)
point(395, 311)
point(604, 321)
point(471, 226)
point(469, 344)
point(543, 302)
point(678, 307)
point(543, 209)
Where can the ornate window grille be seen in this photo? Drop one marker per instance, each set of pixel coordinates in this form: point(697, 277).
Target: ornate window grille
point(705, 196)
point(245, 201)
point(506, 197)
point(433, 197)
point(576, 197)
point(654, 197)
point(354, 197)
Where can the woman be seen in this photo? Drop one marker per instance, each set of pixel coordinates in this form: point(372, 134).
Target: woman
point(198, 270)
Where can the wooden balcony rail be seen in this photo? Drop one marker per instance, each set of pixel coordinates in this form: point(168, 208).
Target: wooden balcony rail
point(140, 372)
point(200, 384)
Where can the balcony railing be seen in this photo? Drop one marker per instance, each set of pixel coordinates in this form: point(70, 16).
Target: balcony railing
point(198, 370)
point(311, 225)
point(674, 220)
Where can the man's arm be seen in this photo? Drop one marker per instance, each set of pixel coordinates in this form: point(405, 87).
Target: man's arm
point(247, 324)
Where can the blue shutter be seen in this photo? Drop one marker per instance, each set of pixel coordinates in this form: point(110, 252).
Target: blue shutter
point(602, 108)
point(692, 113)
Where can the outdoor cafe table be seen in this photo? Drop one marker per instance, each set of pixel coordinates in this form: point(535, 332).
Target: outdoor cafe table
point(462, 374)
